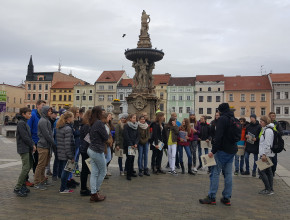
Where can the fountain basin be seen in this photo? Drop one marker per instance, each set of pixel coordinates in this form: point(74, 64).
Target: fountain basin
point(153, 55)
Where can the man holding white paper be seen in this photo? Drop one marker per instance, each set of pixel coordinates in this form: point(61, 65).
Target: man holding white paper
point(223, 151)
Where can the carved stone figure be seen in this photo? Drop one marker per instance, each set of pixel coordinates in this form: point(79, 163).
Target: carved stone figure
point(145, 20)
point(140, 103)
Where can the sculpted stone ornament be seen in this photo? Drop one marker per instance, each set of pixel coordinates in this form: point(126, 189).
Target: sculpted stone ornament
point(140, 103)
point(144, 37)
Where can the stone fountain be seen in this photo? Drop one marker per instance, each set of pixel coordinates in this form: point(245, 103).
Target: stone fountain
point(143, 97)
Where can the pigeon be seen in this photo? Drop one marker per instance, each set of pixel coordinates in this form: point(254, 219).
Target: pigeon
point(124, 35)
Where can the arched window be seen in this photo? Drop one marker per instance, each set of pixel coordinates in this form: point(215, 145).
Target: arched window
point(209, 89)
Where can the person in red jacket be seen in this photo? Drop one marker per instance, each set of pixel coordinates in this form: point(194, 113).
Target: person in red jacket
point(184, 138)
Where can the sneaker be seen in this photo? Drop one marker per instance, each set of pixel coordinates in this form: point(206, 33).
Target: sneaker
point(199, 167)
point(20, 193)
point(169, 172)
point(177, 167)
point(245, 173)
point(194, 169)
point(66, 191)
point(48, 173)
point(85, 192)
point(266, 192)
point(236, 173)
point(70, 185)
point(25, 189)
point(140, 174)
point(109, 174)
point(46, 183)
point(174, 173)
point(254, 174)
point(122, 173)
point(30, 184)
point(106, 177)
point(226, 201)
point(77, 173)
point(40, 187)
point(207, 200)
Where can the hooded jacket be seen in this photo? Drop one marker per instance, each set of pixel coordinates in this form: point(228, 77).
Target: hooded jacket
point(255, 129)
point(23, 136)
point(44, 130)
point(204, 131)
point(266, 141)
point(65, 142)
point(98, 137)
point(223, 141)
point(131, 137)
point(33, 124)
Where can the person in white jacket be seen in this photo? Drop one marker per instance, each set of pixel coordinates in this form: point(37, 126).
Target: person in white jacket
point(266, 141)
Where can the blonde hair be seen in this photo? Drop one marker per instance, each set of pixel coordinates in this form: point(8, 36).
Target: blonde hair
point(63, 119)
point(265, 119)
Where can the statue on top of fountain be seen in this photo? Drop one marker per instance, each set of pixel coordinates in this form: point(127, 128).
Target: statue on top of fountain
point(144, 37)
point(143, 78)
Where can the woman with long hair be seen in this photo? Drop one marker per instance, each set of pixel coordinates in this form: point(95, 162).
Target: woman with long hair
point(158, 137)
point(98, 137)
point(172, 135)
point(65, 147)
point(109, 143)
point(184, 142)
point(194, 143)
point(84, 131)
point(204, 135)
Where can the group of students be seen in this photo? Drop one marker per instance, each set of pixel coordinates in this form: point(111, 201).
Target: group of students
point(93, 135)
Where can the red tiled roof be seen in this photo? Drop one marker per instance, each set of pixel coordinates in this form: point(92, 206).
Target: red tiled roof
point(161, 79)
point(242, 83)
point(181, 81)
point(280, 77)
point(111, 76)
point(126, 82)
point(210, 78)
point(64, 85)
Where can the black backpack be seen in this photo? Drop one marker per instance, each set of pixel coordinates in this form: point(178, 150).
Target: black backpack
point(278, 142)
point(235, 130)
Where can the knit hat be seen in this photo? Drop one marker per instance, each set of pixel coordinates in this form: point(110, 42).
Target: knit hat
point(54, 111)
point(61, 111)
point(124, 115)
point(191, 113)
point(223, 107)
point(253, 116)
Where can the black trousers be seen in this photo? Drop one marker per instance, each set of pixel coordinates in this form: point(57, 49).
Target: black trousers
point(157, 158)
point(85, 171)
point(129, 164)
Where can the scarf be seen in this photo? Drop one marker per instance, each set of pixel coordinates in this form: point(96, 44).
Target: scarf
point(143, 126)
point(133, 125)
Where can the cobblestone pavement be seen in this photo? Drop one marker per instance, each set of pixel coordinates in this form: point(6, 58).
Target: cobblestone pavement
point(154, 197)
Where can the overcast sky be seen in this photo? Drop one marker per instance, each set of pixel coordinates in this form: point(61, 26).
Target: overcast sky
point(230, 37)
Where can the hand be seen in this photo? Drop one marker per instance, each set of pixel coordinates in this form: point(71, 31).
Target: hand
point(194, 131)
point(264, 158)
point(210, 155)
point(173, 123)
point(254, 139)
point(118, 148)
point(181, 139)
point(247, 136)
point(207, 140)
point(135, 145)
point(186, 137)
point(73, 160)
point(157, 147)
point(199, 139)
point(34, 149)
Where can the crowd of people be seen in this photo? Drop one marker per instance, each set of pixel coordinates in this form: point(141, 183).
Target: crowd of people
point(92, 135)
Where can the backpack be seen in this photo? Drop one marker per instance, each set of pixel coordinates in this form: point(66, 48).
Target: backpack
point(235, 130)
point(278, 142)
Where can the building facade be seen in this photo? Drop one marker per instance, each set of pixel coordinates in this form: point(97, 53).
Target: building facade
point(248, 95)
point(106, 88)
point(124, 89)
point(161, 82)
point(180, 96)
point(209, 93)
point(84, 96)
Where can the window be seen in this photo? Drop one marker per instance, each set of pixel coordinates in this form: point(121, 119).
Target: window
point(28, 106)
point(188, 98)
point(33, 97)
point(64, 91)
point(208, 111)
point(161, 107)
point(39, 87)
point(101, 97)
point(121, 96)
point(278, 110)
point(231, 97)
point(90, 98)
point(209, 89)
point(252, 97)
point(180, 98)
point(173, 98)
point(60, 98)
point(84, 98)
point(54, 98)
point(29, 86)
point(219, 89)
point(187, 109)
point(110, 87)
point(200, 111)
point(188, 90)
point(110, 97)
point(218, 99)
point(200, 98)
point(243, 110)
point(161, 95)
point(20, 101)
point(69, 97)
point(77, 97)
point(101, 87)
point(209, 99)
point(180, 109)
point(91, 91)
point(78, 91)
point(243, 98)
point(173, 90)
point(286, 95)
point(28, 96)
point(39, 96)
point(121, 109)
point(14, 100)
point(263, 111)
point(200, 89)
point(180, 90)
point(253, 111)
point(173, 109)
point(34, 86)
point(263, 97)
point(64, 98)
point(277, 95)
point(45, 96)
point(286, 110)
point(46, 86)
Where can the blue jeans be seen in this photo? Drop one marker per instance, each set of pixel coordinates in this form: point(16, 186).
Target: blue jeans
point(108, 156)
point(56, 168)
point(224, 162)
point(64, 175)
point(142, 156)
point(200, 153)
point(239, 162)
point(120, 162)
point(99, 170)
point(247, 156)
point(188, 153)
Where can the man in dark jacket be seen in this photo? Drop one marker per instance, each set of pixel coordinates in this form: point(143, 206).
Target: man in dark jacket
point(223, 151)
point(253, 129)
